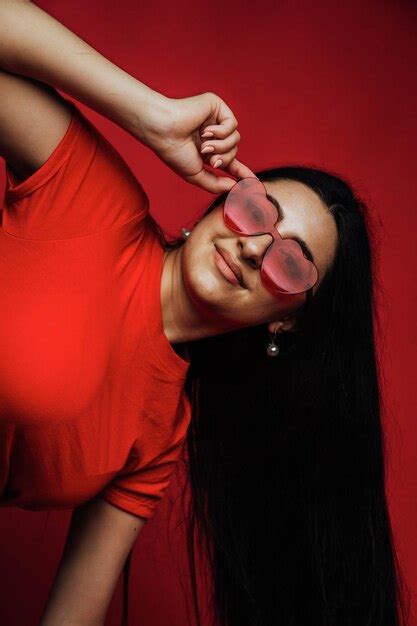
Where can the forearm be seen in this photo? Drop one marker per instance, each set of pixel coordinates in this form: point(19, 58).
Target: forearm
point(98, 542)
point(34, 44)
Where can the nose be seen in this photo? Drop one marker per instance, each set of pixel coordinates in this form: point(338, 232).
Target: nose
point(254, 248)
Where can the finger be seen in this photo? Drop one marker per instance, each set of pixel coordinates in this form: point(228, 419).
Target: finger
point(239, 170)
point(210, 182)
point(222, 145)
point(224, 159)
point(227, 122)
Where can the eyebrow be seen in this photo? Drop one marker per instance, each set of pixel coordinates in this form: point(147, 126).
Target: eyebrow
point(302, 243)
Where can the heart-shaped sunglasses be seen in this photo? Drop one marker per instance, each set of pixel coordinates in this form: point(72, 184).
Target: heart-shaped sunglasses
point(284, 268)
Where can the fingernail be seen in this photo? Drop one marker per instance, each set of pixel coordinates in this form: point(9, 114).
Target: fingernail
point(208, 133)
point(207, 149)
point(217, 163)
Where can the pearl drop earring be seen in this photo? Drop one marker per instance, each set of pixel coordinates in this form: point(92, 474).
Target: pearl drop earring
point(185, 233)
point(272, 349)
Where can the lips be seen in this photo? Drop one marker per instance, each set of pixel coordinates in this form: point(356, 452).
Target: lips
point(228, 258)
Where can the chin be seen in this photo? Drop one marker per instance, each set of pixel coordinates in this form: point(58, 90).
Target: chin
point(202, 286)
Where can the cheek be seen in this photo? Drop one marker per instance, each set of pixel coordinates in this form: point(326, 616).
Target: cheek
point(281, 304)
point(289, 302)
point(197, 269)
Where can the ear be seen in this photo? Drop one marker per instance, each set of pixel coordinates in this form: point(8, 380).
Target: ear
point(286, 324)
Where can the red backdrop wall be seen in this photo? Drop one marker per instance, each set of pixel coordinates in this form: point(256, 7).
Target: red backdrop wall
point(310, 82)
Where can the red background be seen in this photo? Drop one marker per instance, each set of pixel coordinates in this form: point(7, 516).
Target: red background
point(309, 82)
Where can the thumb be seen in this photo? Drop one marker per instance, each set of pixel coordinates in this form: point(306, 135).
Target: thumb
point(210, 182)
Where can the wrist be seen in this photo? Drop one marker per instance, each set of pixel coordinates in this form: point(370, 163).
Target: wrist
point(150, 115)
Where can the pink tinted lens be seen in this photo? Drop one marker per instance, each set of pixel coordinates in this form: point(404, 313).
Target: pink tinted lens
point(247, 210)
point(284, 270)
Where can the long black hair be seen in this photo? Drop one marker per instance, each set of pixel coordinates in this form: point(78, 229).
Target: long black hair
point(285, 456)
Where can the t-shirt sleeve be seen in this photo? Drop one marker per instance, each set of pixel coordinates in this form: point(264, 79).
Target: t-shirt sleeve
point(83, 188)
point(141, 486)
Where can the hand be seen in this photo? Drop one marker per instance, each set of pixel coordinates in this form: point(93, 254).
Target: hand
point(178, 143)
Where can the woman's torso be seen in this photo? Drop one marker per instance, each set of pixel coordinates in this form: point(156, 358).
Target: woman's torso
point(91, 391)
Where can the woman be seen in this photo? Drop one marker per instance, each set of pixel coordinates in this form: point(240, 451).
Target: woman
point(116, 346)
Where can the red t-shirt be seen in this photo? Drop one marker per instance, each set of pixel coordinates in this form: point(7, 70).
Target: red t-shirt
point(92, 398)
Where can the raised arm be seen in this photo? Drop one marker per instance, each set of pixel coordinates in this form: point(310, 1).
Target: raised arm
point(36, 45)
point(99, 539)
